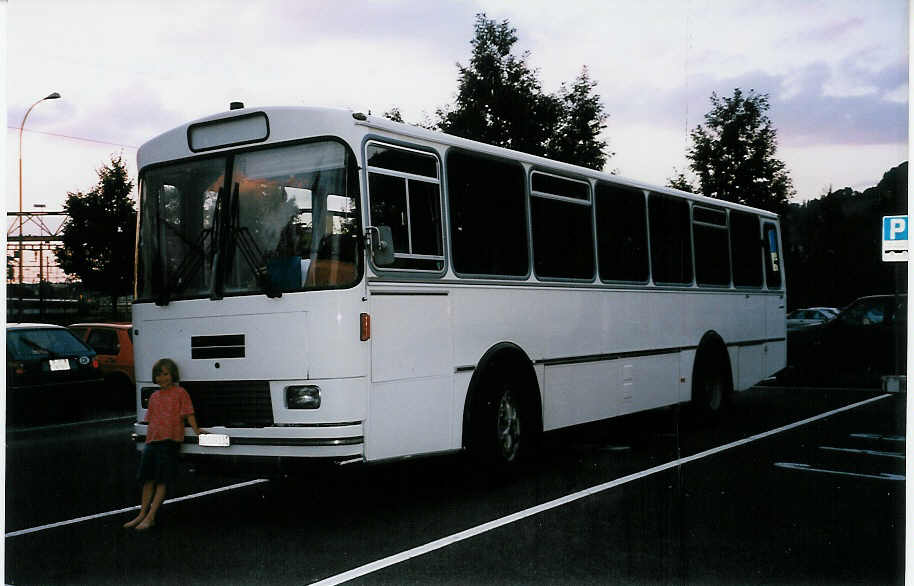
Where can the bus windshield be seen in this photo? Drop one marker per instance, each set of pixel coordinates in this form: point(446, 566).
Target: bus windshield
point(287, 220)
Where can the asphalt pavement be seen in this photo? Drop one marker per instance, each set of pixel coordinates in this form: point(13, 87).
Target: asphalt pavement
point(784, 489)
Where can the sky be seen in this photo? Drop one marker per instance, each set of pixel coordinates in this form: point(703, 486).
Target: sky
point(836, 73)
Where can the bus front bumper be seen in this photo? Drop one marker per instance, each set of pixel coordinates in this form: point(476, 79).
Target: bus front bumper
point(331, 441)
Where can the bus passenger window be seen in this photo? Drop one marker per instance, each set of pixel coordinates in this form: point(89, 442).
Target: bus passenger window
point(405, 195)
point(745, 243)
point(621, 234)
point(671, 246)
point(712, 246)
point(488, 216)
point(562, 227)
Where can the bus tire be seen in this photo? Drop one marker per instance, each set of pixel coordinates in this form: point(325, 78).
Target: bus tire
point(501, 426)
point(503, 412)
point(712, 384)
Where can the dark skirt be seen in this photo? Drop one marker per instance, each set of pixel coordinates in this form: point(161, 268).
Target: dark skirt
point(159, 462)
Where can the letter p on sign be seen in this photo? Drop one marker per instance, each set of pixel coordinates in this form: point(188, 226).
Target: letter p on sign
point(895, 238)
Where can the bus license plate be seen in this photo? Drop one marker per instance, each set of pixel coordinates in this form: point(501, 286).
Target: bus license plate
point(217, 440)
point(59, 364)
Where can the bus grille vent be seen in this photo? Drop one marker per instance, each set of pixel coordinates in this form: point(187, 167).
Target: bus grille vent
point(231, 403)
point(231, 346)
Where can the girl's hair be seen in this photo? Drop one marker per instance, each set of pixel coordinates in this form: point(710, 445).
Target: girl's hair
point(166, 364)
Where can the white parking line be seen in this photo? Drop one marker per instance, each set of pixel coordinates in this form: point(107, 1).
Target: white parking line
point(808, 468)
point(876, 436)
point(863, 452)
point(495, 524)
point(135, 508)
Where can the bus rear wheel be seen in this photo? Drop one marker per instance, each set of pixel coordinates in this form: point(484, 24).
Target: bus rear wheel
point(508, 426)
point(502, 430)
point(711, 388)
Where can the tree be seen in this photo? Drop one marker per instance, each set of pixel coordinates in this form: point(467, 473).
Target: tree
point(99, 237)
point(733, 154)
point(680, 181)
point(833, 244)
point(394, 114)
point(582, 120)
point(500, 101)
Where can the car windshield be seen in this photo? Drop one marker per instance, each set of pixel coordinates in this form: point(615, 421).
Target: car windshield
point(287, 220)
point(876, 311)
point(43, 343)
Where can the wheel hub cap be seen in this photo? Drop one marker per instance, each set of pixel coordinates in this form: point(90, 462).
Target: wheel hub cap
point(508, 426)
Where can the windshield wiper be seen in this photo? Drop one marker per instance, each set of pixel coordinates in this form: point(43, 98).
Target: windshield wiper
point(192, 260)
point(234, 236)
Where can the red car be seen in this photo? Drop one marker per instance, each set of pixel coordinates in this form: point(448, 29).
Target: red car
point(113, 343)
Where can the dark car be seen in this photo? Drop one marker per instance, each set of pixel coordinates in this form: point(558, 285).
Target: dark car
point(47, 366)
point(868, 340)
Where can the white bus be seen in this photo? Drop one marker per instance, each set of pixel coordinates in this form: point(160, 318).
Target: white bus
point(340, 286)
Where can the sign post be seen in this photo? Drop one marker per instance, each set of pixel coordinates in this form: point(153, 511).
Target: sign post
point(894, 239)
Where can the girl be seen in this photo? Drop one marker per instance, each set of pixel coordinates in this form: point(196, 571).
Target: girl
point(169, 408)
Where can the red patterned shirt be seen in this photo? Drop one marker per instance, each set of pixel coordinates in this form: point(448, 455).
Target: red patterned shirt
point(167, 409)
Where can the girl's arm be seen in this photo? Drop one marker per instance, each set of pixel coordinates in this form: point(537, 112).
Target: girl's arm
point(193, 423)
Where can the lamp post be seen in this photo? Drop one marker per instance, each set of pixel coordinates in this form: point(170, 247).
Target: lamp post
point(53, 96)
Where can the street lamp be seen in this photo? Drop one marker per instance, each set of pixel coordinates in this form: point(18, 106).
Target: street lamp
point(53, 96)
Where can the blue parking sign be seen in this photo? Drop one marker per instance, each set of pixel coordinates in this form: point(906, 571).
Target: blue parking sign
point(895, 228)
point(895, 238)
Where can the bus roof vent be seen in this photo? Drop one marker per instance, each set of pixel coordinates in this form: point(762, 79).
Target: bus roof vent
point(236, 105)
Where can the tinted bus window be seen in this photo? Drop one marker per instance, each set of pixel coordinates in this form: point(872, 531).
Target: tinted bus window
point(772, 257)
point(621, 234)
point(487, 215)
point(712, 246)
point(402, 160)
point(545, 183)
point(745, 242)
point(671, 243)
point(562, 227)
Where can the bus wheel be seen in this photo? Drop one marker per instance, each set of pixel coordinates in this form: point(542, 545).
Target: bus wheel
point(501, 428)
point(508, 426)
point(711, 388)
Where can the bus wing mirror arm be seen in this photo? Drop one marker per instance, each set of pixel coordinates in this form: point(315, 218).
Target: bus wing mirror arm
point(382, 250)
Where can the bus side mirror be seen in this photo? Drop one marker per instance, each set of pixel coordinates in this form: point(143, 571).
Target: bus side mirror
point(382, 247)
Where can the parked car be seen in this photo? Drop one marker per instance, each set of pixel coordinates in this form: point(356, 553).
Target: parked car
point(113, 342)
point(832, 312)
point(866, 341)
point(801, 318)
point(47, 365)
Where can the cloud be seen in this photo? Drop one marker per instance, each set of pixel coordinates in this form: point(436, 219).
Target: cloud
point(123, 115)
point(854, 120)
point(832, 31)
point(800, 108)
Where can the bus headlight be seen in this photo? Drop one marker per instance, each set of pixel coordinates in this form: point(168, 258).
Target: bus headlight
point(303, 397)
point(145, 393)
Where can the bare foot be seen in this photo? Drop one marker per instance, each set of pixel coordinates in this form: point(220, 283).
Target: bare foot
point(134, 522)
point(146, 524)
